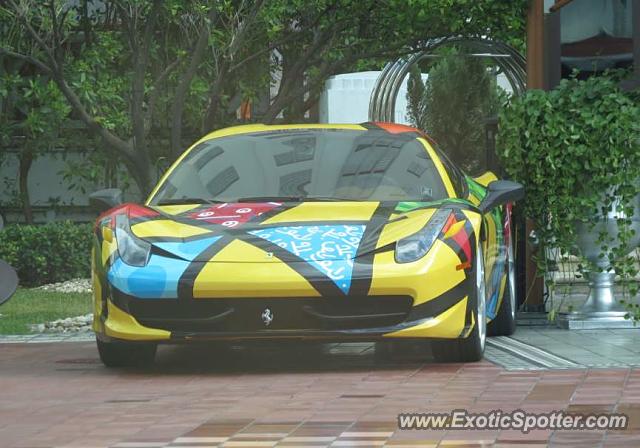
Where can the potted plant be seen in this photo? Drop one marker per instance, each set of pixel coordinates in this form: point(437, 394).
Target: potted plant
point(576, 149)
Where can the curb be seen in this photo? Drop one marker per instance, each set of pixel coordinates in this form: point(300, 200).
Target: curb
point(43, 338)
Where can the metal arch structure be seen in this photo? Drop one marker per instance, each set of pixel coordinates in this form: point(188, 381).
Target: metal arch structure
point(382, 103)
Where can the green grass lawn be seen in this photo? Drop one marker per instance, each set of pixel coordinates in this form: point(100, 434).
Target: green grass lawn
point(34, 306)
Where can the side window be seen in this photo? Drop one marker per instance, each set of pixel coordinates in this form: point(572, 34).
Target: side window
point(456, 176)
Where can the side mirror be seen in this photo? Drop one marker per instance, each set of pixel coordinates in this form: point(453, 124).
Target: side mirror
point(103, 200)
point(500, 192)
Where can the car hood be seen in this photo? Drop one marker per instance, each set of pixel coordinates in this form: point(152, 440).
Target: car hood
point(263, 232)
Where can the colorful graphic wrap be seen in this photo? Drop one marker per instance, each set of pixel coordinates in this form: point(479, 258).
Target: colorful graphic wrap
point(329, 248)
point(407, 206)
point(498, 270)
point(232, 215)
point(157, 280)
point(188, 250)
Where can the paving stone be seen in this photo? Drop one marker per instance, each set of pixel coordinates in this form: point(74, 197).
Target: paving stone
point(56, 393)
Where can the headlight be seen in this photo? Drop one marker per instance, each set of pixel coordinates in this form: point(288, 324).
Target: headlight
point(132, 249)
point(416, 246)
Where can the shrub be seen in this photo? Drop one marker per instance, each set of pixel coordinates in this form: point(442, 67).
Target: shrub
point(47, 253)
point(453, 105)
point(576, 149)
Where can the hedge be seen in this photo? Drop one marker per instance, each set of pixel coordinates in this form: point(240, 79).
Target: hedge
point(48, 253)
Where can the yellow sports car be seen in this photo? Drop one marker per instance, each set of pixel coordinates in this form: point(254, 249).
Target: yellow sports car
point(326, 232)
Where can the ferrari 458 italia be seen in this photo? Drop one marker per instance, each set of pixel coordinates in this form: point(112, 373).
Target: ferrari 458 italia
point(325, 232)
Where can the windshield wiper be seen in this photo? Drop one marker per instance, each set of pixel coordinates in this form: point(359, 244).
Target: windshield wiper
point(270, 199)
point(330, 199)
point(293, 199)
point(180, 201)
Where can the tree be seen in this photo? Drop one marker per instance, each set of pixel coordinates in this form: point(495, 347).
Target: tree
point(114, 66)
point(141, 73)
point(453, 104)
point(322, 38)
point(38, 112)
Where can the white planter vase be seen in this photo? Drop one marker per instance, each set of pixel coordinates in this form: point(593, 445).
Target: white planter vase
point(602, 309)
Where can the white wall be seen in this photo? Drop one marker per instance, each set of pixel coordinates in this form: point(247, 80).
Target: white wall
point(345, 98)
point(50, 194)
point(45, 181)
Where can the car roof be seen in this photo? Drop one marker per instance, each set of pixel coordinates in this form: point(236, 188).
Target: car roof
point(392, 128)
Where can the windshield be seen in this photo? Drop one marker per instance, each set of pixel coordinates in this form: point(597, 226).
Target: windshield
point(306, 164)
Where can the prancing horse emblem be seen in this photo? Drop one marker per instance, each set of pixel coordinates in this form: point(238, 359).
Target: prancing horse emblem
point(267, 317)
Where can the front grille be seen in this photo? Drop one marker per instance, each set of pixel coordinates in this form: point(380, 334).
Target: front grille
point(245, 314)
point(178, 315)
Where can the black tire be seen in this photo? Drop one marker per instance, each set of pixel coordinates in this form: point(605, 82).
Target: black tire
point(471, 348)
point(504, 324)
point(126, 354)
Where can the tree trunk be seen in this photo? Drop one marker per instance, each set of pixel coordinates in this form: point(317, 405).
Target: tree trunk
point(26, 159)
point(215, 92)
point(293, 112)
point(182, 90)
point(143, 176)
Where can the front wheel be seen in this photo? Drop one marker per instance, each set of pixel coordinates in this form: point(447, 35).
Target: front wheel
point(126, 354)
point(471, 348)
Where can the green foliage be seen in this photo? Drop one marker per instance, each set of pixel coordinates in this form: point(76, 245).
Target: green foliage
point(34, 111)
point(500, 20)
point(101, 76)
point(453, 104)
point(143, 88)
point(34, 306)
point(576, 149)
point(38, 107)
point(417, 99)
point(48, 253)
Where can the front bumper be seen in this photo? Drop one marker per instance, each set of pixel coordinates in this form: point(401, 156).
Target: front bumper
point(351, 318)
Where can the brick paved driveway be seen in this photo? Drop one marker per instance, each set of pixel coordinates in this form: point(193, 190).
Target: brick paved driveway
point(59, 395)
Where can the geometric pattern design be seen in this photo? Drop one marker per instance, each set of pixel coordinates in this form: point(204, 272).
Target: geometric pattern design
point(496, 277)
point(157, 280)
point(187, 249)
point(232, 215)
point(329, 248)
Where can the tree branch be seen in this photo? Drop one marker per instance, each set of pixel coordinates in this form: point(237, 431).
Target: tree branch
point(182, 89)
point(155, 90)
point(243, 28)
point(268, 49)
point(140, 60)
point(111, 139)
point(223, 67)
point(326, 68)
point(54, 70)
point(43, 46)
point(26, 58)
point(56, 31)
